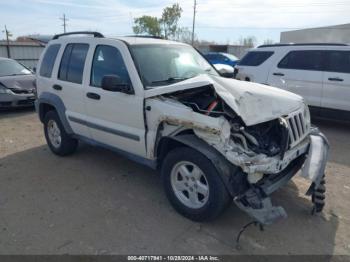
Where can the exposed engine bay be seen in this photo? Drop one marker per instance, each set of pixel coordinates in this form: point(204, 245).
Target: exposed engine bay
point(269, 138)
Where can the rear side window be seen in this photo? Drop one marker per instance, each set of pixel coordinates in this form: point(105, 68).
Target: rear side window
point(338, 61)
point(108, 61)
point(303, 60)
point(49, 60)
point(255, 58)
point(72, 63)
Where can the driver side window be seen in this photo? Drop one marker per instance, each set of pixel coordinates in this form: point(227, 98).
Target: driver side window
point(108, 61)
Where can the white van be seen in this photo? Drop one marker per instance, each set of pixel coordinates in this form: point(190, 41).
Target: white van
point(318, 72)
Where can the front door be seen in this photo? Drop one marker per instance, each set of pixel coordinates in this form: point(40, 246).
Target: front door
point(115, 119)
point(300, 72)
point(336, 94)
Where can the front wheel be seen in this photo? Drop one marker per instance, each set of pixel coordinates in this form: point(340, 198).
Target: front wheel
point(193, 185)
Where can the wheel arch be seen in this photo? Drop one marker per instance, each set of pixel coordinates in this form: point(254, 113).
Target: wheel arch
point(224, 167)
point(47, 102)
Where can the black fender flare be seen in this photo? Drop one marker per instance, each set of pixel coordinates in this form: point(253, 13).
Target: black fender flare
point(225, 169)
point(56, 102)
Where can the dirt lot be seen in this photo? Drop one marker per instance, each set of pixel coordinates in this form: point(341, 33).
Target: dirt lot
point(96, 202)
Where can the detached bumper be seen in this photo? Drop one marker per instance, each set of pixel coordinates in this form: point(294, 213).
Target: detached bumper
point(315, 164)
point(256, 201)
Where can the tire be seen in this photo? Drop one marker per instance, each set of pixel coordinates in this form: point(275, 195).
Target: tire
point(57, 139)
point(206, 207)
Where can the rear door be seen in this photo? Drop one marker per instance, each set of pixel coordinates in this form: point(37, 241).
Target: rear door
point(115, 119)
point(68, 84)
point(300, 72)
point(336, 79)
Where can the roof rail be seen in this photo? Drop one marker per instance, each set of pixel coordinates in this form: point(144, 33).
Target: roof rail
point(304, 44)
point(96, 34)
point(146, 36)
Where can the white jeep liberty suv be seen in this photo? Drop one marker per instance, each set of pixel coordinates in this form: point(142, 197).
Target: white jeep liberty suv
point(215, 140)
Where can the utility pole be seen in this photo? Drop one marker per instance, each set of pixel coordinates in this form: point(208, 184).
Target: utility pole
point(8, 34)
point(64, 19)
point(194, 19)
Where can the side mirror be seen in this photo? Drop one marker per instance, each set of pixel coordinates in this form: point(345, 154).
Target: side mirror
point(34, 69)
point(224, 70)
point(114, 83)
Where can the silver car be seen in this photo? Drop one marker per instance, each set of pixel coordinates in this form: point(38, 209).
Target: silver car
point(17, 84)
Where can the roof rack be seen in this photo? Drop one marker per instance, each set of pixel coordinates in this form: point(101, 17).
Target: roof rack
point(304, 44)
point(146, 36)
point(96, 34)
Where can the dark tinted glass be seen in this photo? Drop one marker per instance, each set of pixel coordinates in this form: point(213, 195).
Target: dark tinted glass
point(108, 61)
point(49, 60)
point(72, 63)
point(255, 58)
point(303, 60)
point(62, 73)
point(338, 61)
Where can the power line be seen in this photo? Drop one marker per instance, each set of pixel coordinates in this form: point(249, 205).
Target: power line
point(64, 19)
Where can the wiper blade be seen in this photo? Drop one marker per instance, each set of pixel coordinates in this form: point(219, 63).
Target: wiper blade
point(170, 80)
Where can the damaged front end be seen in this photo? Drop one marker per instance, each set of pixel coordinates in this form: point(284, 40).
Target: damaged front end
point(267, 153)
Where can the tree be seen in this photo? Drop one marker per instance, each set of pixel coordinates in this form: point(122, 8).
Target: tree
point(166, 26)
point(249, 41)
point(170, 19)
point(268, 42)
point(184, 35)
point(147, 25)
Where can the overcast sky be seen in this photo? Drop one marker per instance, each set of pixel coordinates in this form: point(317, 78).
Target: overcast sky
point(220, 20)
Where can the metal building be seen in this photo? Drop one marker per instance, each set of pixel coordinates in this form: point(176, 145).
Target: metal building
point(237, 50)
point(27, 53)
point(328, 34)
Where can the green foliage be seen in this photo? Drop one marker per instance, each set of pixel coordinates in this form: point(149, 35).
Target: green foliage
point(147, 25)
point(166, 26)
point(170, 19)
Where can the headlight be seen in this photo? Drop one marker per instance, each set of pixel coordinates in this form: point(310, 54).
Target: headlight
point(307, 117)
point(3, 89)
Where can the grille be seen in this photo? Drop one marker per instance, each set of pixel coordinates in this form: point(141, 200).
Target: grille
point(298, 128)
point(21, 91)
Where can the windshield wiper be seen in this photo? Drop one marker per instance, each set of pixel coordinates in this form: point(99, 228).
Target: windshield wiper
point(170, 80)
point(17, 74)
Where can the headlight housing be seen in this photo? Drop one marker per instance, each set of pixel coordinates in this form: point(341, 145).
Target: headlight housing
point(4, 89)
point(307, 117)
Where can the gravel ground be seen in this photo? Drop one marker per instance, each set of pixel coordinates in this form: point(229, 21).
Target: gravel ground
point(96, 202)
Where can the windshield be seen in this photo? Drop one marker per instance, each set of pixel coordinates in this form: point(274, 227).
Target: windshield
point(166, 64)
point(232, 57)
point(12, 68)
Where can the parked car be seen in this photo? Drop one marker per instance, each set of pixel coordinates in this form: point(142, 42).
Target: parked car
point(224, 70)
point(213, 139)
point(17, 87)
point(221, 58)
point(318, 72)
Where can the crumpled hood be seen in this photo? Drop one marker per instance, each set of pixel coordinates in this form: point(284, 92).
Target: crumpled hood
point(254, 103)
point(18, 82)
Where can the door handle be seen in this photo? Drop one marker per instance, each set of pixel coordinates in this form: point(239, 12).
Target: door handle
point(93, 96)
point(57, 87)
point(278, 74)
point(335, 79)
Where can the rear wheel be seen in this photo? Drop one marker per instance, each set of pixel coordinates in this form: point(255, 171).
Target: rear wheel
point(193, 185)
point(57, 139)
